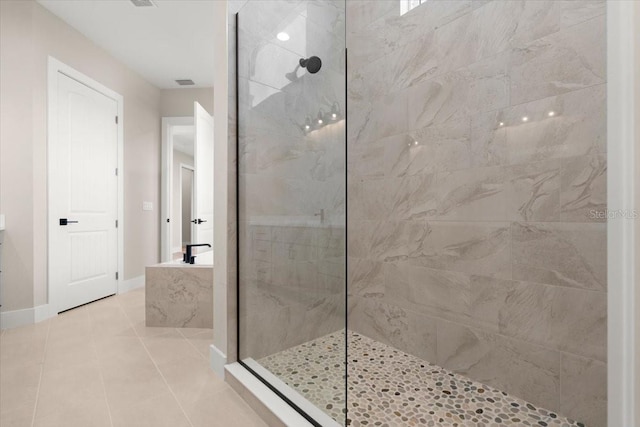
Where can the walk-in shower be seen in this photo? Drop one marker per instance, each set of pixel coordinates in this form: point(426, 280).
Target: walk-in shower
point(420, 238)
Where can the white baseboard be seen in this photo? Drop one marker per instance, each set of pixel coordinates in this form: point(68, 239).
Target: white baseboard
point(131, 284)
point(43, 312)
point(27, 316)
point(217, 359)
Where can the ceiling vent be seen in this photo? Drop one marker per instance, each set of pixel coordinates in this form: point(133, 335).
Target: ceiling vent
point(142, 3)
point(185, 82)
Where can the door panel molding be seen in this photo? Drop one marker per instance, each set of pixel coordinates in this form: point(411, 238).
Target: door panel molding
point(55, 68)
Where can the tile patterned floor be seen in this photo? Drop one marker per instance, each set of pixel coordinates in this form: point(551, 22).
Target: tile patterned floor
point(99, 365)
point(390, 388)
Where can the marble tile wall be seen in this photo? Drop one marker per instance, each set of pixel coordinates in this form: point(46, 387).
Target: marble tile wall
point(179, 297)
point(477, 159)
point(292, 261)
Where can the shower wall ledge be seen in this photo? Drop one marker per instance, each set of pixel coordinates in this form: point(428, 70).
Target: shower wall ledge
point(296, 221)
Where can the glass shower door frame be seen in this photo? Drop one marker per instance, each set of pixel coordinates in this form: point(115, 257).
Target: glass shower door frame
point(246, 366)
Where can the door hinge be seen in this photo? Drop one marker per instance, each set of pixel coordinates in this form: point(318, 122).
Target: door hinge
point(116, 119)
point(116, 171)
point(116, 275)
point(116, 223)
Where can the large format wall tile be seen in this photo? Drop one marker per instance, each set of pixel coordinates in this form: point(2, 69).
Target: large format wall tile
point(413, 197)
point(533, 192)
point(584, 188)
point(405, 329)
point(398, 240)
point(472, 195)
point(488, 140)
point(445, 294)
point(562, 62)
point(473, 248)
point(431, 149)
point(361, 13)
point(563, 126)
point(565, 319)
point(480, 87)
point(387, 117)
point(562, 254)
point(515, 366)
point(578, 126)
point(584, 390)
point(366, 278)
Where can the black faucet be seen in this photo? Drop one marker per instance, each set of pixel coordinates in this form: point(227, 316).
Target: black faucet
point(187, 257)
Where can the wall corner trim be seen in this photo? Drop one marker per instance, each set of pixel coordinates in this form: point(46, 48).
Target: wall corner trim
point(217, 360)
point(622, 131)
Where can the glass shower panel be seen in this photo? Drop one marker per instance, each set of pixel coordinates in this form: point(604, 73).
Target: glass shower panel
point(291, 201)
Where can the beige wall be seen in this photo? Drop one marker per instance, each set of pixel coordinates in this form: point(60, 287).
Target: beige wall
point(179, 102)
point(28, 35)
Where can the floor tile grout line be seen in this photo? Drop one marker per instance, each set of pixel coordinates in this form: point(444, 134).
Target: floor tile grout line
point(192, 344)
point(44, 355)
point(167, 383)
point(104, 386)
point(135, 331)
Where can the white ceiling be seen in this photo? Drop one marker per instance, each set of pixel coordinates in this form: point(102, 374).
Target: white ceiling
point(173, 40)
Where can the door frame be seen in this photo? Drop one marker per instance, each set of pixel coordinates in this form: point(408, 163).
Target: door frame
point(167, 182)
point(54, 67)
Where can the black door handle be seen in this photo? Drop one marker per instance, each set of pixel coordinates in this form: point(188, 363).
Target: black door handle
point(65, 221)
point(198, 221)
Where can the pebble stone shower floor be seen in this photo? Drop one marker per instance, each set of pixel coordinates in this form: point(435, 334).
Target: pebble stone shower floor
point(389, 388)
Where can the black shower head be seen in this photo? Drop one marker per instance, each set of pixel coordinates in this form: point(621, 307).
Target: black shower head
point(312, 64)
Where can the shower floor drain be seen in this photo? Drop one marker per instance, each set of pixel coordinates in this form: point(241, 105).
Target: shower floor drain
point(388, 387)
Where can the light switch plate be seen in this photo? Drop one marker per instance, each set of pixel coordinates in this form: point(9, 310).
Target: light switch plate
point(147, 206)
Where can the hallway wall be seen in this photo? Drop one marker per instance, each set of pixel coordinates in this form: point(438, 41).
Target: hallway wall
point(28, 35)
point(179, 102)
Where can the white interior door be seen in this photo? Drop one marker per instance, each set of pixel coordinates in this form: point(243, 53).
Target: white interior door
point(203, 159)
point(83, 190)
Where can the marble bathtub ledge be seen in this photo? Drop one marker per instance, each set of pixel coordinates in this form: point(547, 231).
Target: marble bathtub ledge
point(179, 295)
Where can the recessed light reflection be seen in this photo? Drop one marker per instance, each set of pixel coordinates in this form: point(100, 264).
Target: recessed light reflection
point(283, 36)
point(525, 119)
point(501, 124)
point(551, 113)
